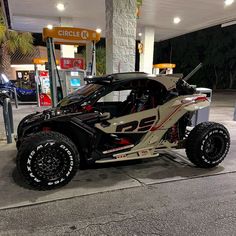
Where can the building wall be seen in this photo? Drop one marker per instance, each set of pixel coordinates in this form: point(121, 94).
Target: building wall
point(22, 62)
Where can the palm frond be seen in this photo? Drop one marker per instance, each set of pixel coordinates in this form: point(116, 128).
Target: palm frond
point(25, 42)
point(101, 60)
point(11, 45)
point(11, 40)
point(2, 20)
point(3, 27)
point(2, 33)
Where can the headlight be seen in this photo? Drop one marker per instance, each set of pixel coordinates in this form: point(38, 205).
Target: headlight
point(4, 91)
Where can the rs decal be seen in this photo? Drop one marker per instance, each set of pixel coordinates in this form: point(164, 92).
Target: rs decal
point(130, 126)
point(146, 123)
point(142, 126)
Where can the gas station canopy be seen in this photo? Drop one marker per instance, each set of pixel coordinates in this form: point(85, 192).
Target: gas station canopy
point(34, 15)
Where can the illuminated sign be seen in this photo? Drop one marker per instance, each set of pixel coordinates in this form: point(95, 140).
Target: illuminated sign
point(70, 63)
point(164, 66)
point(71, 34)
point(41, 61)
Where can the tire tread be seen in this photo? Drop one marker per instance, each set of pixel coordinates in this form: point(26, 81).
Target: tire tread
point(39, 137)
point(194, 139)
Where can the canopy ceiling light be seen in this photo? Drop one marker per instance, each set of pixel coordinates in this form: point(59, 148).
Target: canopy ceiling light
point(60, 7)
point(176, 20)
point(98, 30)
point(50, 26)
point(229, 2)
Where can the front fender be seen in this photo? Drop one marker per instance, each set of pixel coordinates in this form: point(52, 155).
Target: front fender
point(74, 128)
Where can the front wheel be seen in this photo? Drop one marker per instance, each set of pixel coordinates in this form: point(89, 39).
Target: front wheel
point(47, 160)
point(207, 144)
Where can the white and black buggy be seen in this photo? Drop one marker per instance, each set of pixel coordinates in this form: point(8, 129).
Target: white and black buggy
point(116, 117)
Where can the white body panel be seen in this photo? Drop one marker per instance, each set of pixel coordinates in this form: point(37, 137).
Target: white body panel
point(160, 120)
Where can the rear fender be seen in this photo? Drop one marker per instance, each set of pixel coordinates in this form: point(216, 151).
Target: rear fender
point(193, 102)
point(196, 103)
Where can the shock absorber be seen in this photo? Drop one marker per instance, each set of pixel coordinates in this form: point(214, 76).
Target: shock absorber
point(174, 133)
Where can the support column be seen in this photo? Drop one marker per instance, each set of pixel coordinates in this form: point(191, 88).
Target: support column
point(120, 35)
point(89, 49)
point(52, 71)
point(146, 58)
point(67, 51)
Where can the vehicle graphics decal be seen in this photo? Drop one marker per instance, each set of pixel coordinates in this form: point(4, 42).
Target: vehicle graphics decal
point(144, 125)
point(184, 103)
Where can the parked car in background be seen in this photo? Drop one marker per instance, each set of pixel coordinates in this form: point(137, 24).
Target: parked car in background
point(7, 87)
point(3, 95)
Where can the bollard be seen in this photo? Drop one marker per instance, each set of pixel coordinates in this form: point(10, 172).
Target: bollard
point(8, 119)
point(16, 99)
point(235, 112)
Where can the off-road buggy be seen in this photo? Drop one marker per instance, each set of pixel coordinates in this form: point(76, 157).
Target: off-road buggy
point(116, 117)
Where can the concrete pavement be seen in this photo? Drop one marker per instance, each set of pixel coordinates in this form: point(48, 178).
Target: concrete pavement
point(18, 115)
point(202, 206)
point(103, 178)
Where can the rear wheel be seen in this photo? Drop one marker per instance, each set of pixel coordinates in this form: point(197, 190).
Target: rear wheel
point(208, 144)
point(47, 160)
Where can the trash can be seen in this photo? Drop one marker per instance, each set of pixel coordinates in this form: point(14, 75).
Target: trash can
point(202, 115)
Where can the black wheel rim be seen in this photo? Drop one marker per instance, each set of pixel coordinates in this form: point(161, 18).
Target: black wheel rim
point(214, 147)
point(50, 163)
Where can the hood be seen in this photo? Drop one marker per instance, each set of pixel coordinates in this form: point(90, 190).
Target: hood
point(80, 95)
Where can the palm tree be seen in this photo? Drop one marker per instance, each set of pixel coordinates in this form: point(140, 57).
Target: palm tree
point(101, 60)
point(10, 41)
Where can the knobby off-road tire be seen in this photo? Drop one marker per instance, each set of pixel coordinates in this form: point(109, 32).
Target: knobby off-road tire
point(208, 144)
point(47, 160)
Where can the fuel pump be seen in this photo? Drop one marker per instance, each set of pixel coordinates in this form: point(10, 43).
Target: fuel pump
point(70, 36)
point(42, 80)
